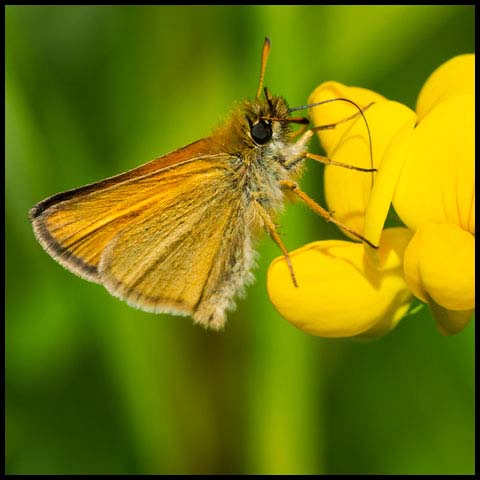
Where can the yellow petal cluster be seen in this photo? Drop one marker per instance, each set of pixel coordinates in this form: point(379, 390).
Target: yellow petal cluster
point(340, 293)
point(425, 162)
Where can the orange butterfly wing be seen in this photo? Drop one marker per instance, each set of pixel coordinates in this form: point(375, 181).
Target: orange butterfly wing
point(76, 225)
point(165, 236)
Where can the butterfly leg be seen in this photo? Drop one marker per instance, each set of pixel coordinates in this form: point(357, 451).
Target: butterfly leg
point(299, 132)
point(328, 161)
point(312, 204)
point(330, 126)
point(276, 238)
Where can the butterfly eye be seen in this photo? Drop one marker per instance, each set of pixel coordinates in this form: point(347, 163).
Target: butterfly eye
point(261, 132)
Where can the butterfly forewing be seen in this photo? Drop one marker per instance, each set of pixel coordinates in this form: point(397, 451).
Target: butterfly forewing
point(182, 255)
point(144, 235)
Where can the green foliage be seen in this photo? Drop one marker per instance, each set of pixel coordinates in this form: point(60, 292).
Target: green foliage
point(94, 386)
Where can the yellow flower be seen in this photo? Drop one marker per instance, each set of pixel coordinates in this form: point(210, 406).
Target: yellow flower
point(425, 162)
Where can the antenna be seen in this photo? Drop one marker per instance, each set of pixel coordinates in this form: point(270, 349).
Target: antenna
point(265, 53)
point(332, 125)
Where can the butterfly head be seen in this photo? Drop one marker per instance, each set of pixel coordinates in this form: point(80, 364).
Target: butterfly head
point(265, 119)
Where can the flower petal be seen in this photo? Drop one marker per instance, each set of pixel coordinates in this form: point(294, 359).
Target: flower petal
point(437, 183)
point(450, 322)
point(336, 111)
point(340, 293)
point(400, 121)
point(439, 265)
point(454, 77)
point(348, 191)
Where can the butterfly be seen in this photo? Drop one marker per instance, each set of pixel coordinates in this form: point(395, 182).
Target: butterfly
point(177, 234)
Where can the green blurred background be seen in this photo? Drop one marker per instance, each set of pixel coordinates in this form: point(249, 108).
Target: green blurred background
point(94, 386)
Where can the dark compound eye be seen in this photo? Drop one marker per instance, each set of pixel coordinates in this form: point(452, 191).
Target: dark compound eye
point(261, 132)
